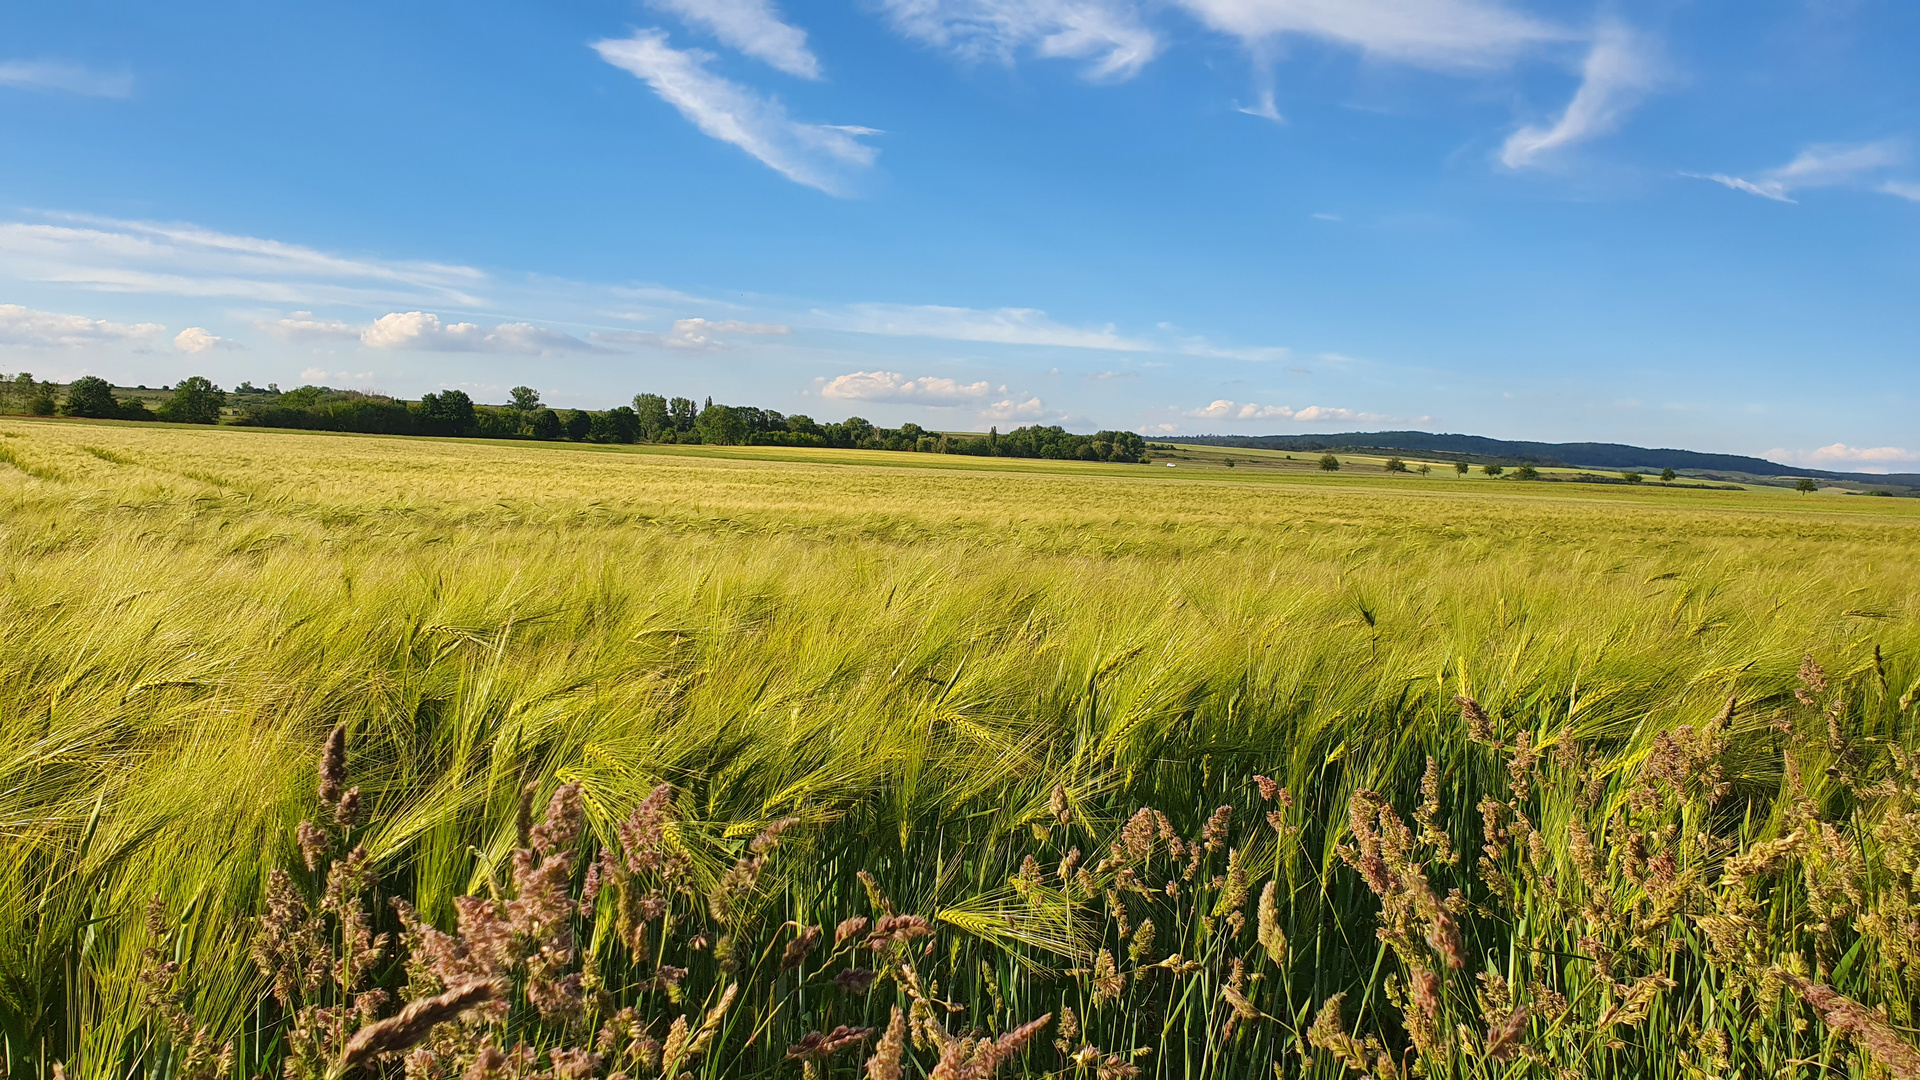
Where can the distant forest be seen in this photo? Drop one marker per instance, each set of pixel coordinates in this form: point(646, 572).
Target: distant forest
point(652, 418)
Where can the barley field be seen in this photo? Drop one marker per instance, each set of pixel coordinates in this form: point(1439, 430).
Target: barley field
point(325, 756)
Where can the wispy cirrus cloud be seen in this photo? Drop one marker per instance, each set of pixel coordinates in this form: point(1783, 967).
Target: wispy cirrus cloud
point(65, 77)
point(891, 386)
point(1108, 34)
point(110, 255)
point(1236, 410)
point(1440, 34)
point(754, 27)
point(694, 334)
point(1839, 457)
point(24, 327)
point(1001, 326)
point(1825, 165)
point(1620, 69)
point(829, 157)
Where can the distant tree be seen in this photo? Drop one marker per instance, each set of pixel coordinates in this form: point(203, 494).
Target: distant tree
point(1329, 463)
point(1666, 475)
point(1394, 464)
point(91, 396)
point(1492, 470)
point(1632, 477)
point(1805, 485)
point(1526, 472)
point(1229, 463)
point(524, 398)
point(196, 400)
point(621, 425)
point(449, 412)
point(1424, 469)
point(1461, 467)
point(651, 410)
point(682, 412)
point(30, 396)
point(579, 425)
point(546, 424)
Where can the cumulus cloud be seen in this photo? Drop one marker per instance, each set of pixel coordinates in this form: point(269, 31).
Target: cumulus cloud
point(1444, 34)
point(697, 334)
point(1107, 34)
point(304, 326)
point(1001, 326)
point(823, 156)
point(423, 331)
point(1823, 165)
point(23, 327)
point(752, 26)
point(1620, 69)
point(65, 77)
point(893, 386)
point(1840, 457)
point(1236, 410)
point(1016, 408)
point(198, 339)
point(110, 255)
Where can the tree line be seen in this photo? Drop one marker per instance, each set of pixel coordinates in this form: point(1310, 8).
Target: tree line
point(652, 418)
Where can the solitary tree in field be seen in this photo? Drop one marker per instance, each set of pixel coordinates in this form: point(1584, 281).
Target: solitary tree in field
point(1329, 463)
point(1396, 465)
point(1526, 472)
point(525, 398)
point(1666, 475)
point(1805, 484)
point(1492, 470)
point(1425, 468)
point(1461, 467)
point(196, 400)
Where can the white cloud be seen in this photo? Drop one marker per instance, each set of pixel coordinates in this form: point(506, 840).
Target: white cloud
point(198, 339)
point(58, 75)
point(1840, 457)
point(893, 386)
point(752, 26)
point(26, 328)
point(1619, 70)
point(185, 260)
point(1107, 34)
point(1001, 326)
point(1235, 410)
point(822, 156)
point(1823, 165)
point(1256, 354)
point(1265, 108)
point(1016, 409)
point(1446, 34)
point(423, 331)
point(314, 374)
point(691, 334)
point(304, 326)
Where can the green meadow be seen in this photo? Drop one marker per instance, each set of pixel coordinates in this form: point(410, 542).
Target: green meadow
point(767, 762)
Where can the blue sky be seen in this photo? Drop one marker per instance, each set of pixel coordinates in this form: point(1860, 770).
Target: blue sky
point(1672, 223)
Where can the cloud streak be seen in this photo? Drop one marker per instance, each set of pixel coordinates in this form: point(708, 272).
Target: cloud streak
point(111, 255)
point(1235, 410)
point(693, 334)
point(1839, 457)
point(64, 77)
point(424, 332)
point(754, 27)
point(1438, 34)
point(1825, 165)
point(823, 156)
point(1000, 326)
point(1620, 69)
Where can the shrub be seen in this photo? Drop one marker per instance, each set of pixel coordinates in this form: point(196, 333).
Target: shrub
point(1396, 465)
point(1492, 470)
point(1526, 472)
point(1666, 476)
point(1329, 463)
point(1632, 477)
